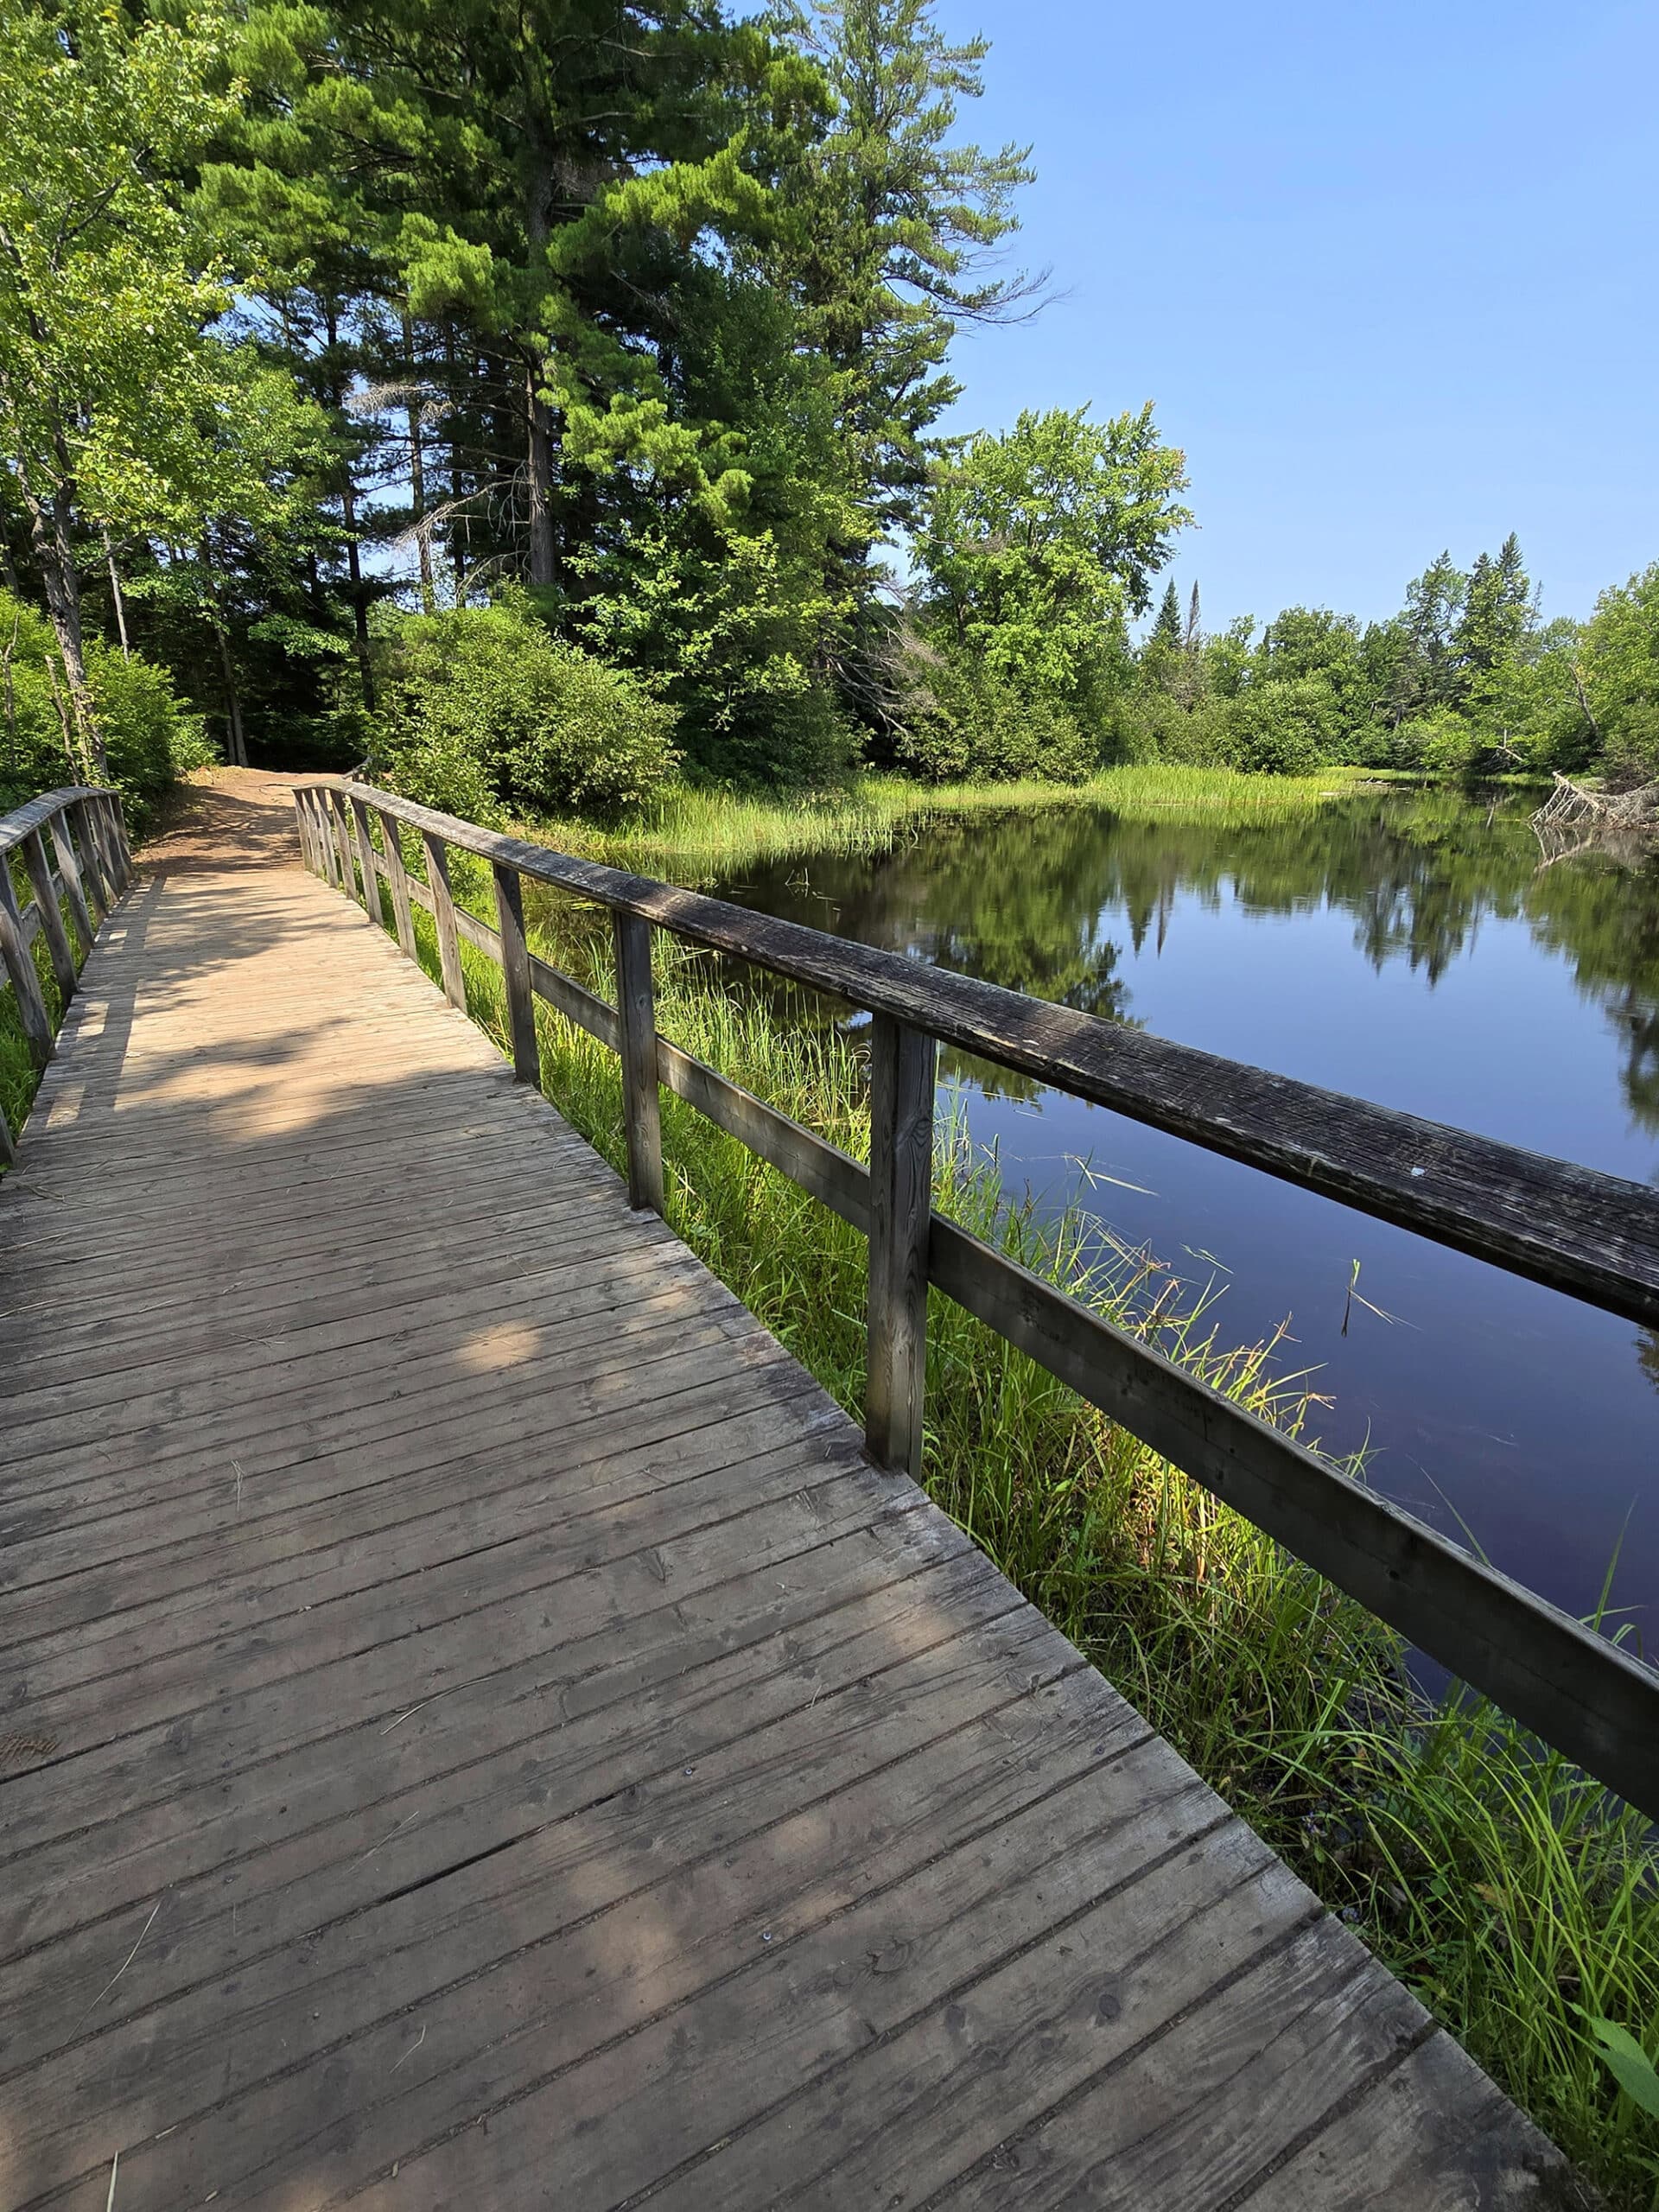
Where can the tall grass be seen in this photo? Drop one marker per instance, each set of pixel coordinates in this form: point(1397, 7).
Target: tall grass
point(1503, 1886)
point(694, 834)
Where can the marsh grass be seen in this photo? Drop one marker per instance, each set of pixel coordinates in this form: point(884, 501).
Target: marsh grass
point(695, 835)
point(1503, 1886)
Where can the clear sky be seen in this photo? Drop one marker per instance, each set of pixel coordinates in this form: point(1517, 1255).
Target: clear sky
point(1388, 272)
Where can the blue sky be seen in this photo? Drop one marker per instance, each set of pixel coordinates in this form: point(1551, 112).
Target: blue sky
point(1388, 273)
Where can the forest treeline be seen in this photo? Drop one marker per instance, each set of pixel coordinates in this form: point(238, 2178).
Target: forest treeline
point(539, 402)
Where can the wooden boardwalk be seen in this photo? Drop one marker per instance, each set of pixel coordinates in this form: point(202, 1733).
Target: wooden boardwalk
point(476, 1732)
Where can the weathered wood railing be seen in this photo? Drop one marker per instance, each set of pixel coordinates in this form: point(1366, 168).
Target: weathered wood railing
point(1591, 1235)
point(93, 866)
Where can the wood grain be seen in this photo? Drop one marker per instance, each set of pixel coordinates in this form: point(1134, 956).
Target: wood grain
point(485, 1718)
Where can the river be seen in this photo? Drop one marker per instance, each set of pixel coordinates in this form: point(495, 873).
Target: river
point(1409, 948)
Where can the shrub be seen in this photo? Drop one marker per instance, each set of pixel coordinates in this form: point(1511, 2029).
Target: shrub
point(1441, 742)
point(975, 726)
point(482, 704)
point(1285, 728)
point(150, 737)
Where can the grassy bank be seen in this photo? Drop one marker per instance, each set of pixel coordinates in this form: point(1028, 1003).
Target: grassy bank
point(1501, 1885)
point(693, 835)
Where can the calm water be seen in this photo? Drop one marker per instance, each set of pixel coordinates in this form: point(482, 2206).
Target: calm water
point(1406, 948)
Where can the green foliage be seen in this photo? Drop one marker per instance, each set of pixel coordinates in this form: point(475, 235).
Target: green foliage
point(1286, 725)
point(151, 737)
point(1511, 1894)
point(1039, 544)
point(979, 726)
point(481, 705)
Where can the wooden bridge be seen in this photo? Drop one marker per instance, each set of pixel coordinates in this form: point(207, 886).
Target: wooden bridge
point(478, 1727)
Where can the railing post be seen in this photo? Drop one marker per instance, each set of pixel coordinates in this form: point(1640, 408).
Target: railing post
point(57, 937)
point(69, 869)
point(322, 830)
point(443, 913)
point(515, 973)
point(902, 1064)
point(642, 1116)
point(118, 838)
point(103, 893)
point(397, 876)
point(8, 1149)
point(307, 833)
point(31, 1005)
point(365, 860)
point(336, 808)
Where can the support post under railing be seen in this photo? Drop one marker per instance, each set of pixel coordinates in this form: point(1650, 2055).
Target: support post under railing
point(322, 829)
point(642, 1115)
point(307, 833)
point(69, 869)
point(902, 1066)
point(443, 913)
point(398, 877)
point(31, 1004)
point(99, 885)
point(515, 974)
point(342, 843)
point(57, 937)
point(123, 863)
point(370, 874)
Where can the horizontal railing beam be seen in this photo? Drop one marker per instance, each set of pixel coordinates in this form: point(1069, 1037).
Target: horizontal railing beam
point(1594, 1237)
point(1594, 1701)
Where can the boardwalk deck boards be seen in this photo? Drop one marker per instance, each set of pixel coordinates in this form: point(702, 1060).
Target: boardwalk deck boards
point(479, 1731)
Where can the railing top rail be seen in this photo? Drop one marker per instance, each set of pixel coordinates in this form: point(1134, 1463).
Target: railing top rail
point(35, 813)
point(1592, 1236)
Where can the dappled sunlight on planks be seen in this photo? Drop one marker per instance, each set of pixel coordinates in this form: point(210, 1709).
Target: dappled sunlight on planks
point(486, 1732)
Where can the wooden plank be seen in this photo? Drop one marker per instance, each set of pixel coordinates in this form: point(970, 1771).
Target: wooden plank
point(397, 876)
point(44, 888)
point(901, 1187)
point(1594, 1236)
point(20, 967)
point(92, 866)
point(346, 878)
point(833, 1177)
point(641, 1105)
point(515, 974)
point(577, 1005)
point(1589, 1697)
point(443, 910)
point(365, 859)
point(69, 869)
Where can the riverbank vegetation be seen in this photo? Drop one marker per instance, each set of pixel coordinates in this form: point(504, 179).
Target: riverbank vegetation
point(373, 388)
point(1504, 1887)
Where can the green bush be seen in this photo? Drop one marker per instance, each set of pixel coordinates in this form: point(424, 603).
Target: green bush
point(483, 707)
point(977, 728)
point(150, 737)
point(1440, 743)
point(1285, 728)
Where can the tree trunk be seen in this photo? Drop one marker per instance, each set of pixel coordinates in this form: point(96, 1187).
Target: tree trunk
point(55, 555)
point(348, 515)
point(236, 741)
point(544, 569)
point(120, 603)
point(359, 605)
point(543, 558)
point(417, 471)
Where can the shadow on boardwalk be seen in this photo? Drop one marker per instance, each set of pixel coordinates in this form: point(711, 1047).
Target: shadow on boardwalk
point(476, 1728)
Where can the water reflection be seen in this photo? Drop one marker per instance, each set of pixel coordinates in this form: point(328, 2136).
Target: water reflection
point(1409, 948)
